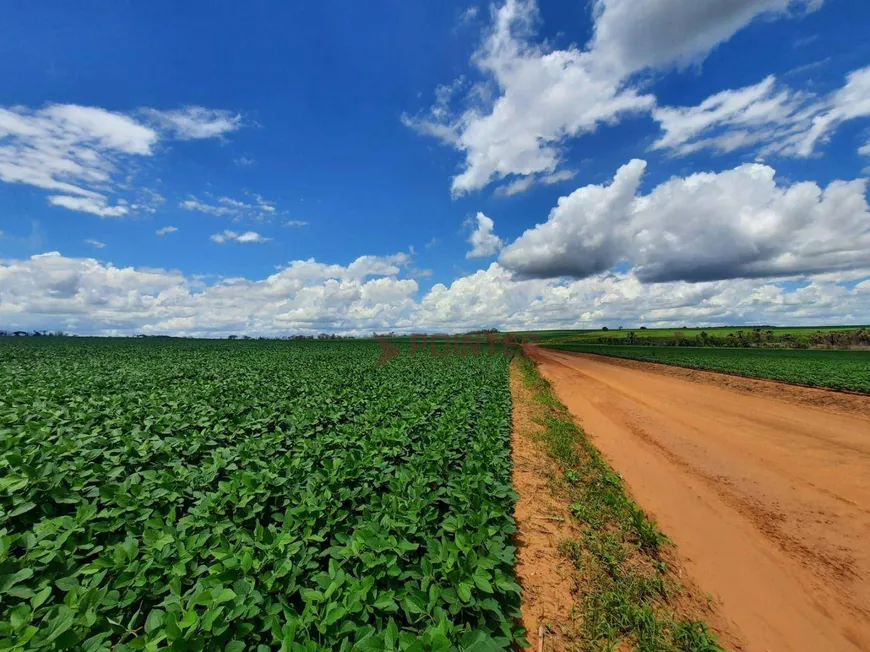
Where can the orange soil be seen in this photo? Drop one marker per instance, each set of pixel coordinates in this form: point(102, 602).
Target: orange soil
point(765, 489)
point(547, 577)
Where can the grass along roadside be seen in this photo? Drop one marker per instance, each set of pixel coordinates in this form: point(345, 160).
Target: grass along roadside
point(628, 596)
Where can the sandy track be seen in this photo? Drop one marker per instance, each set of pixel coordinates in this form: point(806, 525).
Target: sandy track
point(767, 500)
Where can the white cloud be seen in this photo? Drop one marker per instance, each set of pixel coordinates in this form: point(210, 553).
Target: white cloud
point(516, 186)
point(194, 204)
point(196, 122)
point(768, 116)
point(258, 210)
point(522, 184)
point(231, 236)
point(545, 96)
point(244, 161)
point(484, 242)
point(295, 223)
point(735, 224)
point(630, 35)
point(580, 237)
point(81, 154)
point(469, 15)
point(95, 243)
point(166, 229)
point(95, 205)
point(865, 149)
point(849, 102)
point(87, 296)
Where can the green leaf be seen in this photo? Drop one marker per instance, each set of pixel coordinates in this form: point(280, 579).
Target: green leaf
point(37, 600)
point(189, 619)
point(391, 634)
point(21, 509)
point(385, 602)
point(62, 621)
point(155, 620)
point(481, 579)
point(12, 580)
point(334, 613)
point(209, 618)
point(67, 584)
point(225, 596)
point(130, 548)
point(20, 616)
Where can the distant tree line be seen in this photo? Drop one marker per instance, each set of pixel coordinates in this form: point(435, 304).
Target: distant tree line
point(757, 337)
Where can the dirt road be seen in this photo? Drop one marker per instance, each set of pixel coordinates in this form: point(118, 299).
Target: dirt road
point(767, 500)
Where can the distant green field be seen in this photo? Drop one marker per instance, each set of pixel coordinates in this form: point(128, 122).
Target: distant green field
point(845, 370)
point(723, 331)
point(579, 335)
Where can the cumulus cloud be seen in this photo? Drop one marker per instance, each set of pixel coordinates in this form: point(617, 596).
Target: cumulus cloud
point(581, 236)
point(768, 116)
point(166, 230)
point(735, 224)
point(79, 153)
point(231, 236)
point(88, 296)
point(484, 242)
point(544, 96)
point(257, 210)
point(630, 36)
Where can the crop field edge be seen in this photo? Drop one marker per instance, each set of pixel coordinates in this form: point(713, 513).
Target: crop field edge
point(621, 558)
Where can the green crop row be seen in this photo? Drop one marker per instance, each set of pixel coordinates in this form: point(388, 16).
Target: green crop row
point(844, 370)
point(253, 495)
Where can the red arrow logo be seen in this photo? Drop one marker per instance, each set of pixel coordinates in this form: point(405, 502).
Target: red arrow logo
point(388, 350)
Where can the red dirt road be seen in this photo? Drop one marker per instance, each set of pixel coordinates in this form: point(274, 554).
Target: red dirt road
point(767, 500)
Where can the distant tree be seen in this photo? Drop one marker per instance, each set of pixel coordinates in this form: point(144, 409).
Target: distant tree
point(643, 328)
point(233, 337)
point(605, 328)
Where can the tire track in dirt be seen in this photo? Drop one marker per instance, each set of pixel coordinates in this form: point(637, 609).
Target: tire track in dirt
point(766, 499)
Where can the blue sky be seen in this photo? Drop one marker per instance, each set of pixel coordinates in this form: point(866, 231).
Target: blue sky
point(344, 166)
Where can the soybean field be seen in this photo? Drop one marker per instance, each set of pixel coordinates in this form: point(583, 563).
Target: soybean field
point(184, 494)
